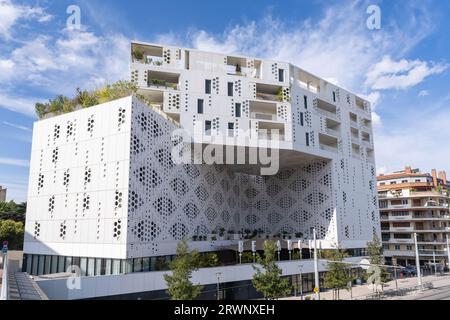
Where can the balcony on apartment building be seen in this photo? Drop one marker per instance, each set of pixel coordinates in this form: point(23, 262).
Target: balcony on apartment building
point(365, 139)
point(326, 109)
point(353, 120)
point(356, 151)
point(366, 125)
point(328, 143)
point(333, 128)
point(306, 80)
point(361, 105)
point(271, 131)
point(147, 54)
point(354, 135)
point(269, 92)
point(262, 110)
point(238, 66)
point(163, 80)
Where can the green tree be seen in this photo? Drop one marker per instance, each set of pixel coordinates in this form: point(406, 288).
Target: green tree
point(13, 211)
point(12, 231)
point(337, 276)
point(179, 283)
point(375, 252)
point(269, 281)
point(208, 260)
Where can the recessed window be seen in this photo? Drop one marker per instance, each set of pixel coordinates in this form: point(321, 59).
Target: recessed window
point(301, 119)
point(334, 96)
point(230, 89)
point(307, 139)
point(382, 183)
point(200, 106)
point(230, 129)
point(207, 127)
point(305, 101)
point(208, 86)
point(281, 75)
point(237, 110)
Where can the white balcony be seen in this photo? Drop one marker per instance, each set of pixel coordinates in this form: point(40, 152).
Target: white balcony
point(328, 114)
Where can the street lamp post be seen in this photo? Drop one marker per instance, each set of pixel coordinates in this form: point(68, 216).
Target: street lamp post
point(316, 268)
point(448, 253)
point(419, 276)
point(218, 284)
point(301, 282)
point(434, 263)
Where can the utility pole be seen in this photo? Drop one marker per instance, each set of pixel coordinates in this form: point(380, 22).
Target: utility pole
point(316, 268)
point(419, 276)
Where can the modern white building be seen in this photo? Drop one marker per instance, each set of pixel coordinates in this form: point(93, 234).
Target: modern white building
point(106, 195)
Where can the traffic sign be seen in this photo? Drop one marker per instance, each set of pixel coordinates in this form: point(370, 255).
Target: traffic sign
point(364, 264)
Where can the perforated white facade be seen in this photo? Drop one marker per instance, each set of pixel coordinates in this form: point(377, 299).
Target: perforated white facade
point(103, 183)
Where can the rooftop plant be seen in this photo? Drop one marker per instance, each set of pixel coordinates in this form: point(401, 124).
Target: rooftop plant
point(85, 99)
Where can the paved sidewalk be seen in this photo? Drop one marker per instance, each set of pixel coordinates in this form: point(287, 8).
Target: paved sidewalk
point(362, 291)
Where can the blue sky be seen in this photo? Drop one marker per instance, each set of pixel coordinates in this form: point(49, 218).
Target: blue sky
point(403, 68)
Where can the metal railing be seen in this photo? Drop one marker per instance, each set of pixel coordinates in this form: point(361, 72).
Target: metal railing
point(268, 97)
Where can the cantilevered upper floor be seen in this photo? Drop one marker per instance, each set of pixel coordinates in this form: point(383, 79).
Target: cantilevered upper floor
point(234, 96)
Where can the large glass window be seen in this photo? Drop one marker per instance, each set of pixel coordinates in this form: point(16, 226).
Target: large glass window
point(41, 265)
point(137, 265)
point(83, 266)
point(116, 266)
point(127, 266)
point(29, 261)
point(54, 268)
point(90, 267)
point(98, 266)
point(34, 269)
point(108, 266)
point(48, 261)
point(145, 264)
point(61, 264)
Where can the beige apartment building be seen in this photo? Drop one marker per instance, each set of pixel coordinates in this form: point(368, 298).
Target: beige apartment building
point(414, 202)
point(2, 194)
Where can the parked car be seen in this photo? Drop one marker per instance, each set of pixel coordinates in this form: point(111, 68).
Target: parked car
point(409, 271)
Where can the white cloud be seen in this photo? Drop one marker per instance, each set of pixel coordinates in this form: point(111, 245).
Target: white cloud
point(78, 58)
point(336, 46)
point(11, 13)
point(14, 162)
point(424, 93)
point(18, 104)
point(17, 126)
point(402, 74)
point(419, 142)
